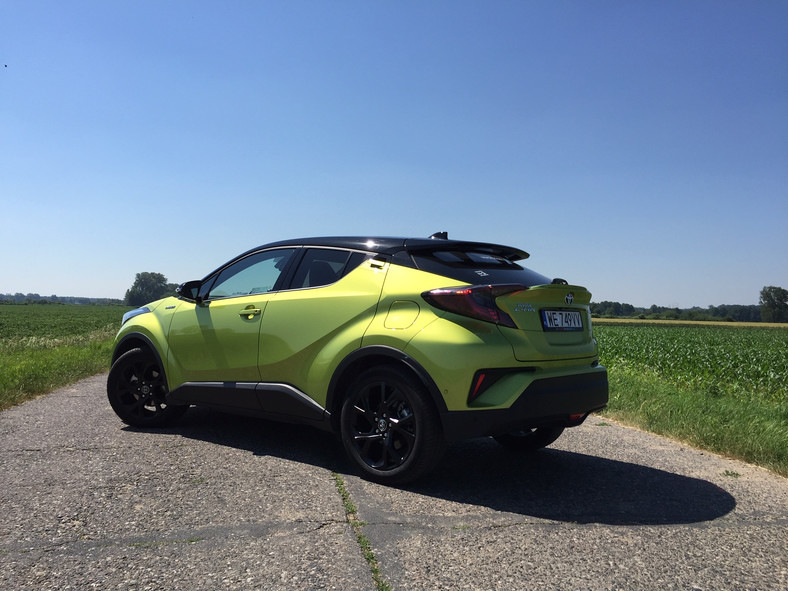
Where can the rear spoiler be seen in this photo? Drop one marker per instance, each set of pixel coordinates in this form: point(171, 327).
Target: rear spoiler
point(432, 245)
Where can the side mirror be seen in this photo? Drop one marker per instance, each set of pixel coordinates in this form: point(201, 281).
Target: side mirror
point(190, 291)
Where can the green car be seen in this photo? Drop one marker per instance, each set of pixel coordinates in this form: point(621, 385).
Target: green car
point(398, 345)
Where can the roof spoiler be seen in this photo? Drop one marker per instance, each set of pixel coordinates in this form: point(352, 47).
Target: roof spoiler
point(507, 252)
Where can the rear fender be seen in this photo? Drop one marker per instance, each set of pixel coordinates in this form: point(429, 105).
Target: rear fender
point(365, 358)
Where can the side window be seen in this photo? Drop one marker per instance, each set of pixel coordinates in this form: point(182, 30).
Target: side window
point(256, 273)
point(320, 266)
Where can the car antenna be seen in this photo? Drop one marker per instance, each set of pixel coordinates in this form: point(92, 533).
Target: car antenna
point(440, 236)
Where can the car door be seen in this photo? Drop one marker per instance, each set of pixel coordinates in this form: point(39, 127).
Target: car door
point(217, 340)
point(320, 318)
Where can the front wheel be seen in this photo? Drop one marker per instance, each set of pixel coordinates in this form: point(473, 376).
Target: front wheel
point(137, 391)
point(529, 439)
point(389, 427)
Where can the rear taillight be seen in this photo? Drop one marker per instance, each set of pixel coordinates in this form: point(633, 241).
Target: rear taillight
point(476, 301)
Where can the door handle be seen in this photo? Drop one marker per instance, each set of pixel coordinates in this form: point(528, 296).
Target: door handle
point(250, 312)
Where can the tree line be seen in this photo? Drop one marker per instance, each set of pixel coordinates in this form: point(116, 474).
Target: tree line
point(34, 298)
point(729, 313)
point(772, 307)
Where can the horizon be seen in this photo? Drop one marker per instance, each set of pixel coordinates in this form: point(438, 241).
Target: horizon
point(593, 300)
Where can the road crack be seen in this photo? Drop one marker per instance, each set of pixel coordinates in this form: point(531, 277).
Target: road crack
point(351, 513)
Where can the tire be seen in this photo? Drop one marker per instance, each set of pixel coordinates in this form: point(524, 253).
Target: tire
point(529, 439)
point(137, 390)
point(389, 427)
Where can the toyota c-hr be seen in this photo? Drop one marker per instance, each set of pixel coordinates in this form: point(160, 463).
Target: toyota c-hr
point(398, 345)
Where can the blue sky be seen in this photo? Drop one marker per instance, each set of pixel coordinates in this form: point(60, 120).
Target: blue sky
point(637, 148)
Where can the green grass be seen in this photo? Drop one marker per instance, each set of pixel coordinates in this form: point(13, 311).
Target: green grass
point(44, 347)
point(717, 388)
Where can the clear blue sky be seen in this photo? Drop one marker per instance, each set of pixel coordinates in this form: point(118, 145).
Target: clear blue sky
point(637, 148)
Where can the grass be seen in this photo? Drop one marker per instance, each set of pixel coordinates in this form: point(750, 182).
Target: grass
point(717, 388)
point(44, 347)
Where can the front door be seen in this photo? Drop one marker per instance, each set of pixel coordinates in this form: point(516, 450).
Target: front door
point(218, 339)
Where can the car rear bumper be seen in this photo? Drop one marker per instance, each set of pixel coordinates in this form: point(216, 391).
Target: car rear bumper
point(546, 401)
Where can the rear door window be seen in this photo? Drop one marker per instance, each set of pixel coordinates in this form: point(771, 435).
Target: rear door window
point(324, 266)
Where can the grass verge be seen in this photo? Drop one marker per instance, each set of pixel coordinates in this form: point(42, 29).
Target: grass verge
point(366, 548)
point(30, 372)
point(755, 431)
point(45, 347)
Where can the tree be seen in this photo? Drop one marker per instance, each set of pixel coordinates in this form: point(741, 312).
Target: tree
point(774, 304)
point(147, 287)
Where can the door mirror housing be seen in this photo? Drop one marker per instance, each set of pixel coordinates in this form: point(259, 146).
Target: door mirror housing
point(190, 291)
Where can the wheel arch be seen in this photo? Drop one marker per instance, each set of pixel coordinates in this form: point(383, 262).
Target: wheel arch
point(132, 341)
point(376, 356)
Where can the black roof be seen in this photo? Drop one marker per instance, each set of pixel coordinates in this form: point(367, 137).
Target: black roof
point(391, 245)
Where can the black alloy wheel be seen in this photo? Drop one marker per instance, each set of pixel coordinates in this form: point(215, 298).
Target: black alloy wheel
point(529, 439)
point(389, 427)
point(137, 390)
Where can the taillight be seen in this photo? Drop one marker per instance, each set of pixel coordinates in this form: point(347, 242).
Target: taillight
point(475, 301)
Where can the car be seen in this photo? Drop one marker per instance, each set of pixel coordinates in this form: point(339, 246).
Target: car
point(397, 345)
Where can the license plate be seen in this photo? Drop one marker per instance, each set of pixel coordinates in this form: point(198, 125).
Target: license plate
point(562, 320)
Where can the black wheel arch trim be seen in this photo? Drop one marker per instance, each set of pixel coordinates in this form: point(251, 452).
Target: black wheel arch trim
point(392, 354)
point(125, 344)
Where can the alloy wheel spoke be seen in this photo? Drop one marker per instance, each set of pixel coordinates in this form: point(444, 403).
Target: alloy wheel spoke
point(404, 429)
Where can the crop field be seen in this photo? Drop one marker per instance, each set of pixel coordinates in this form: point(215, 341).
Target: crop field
point(720, 387)
point(720, 360)
point(44, 346)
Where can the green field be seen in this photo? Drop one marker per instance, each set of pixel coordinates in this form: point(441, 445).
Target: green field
point(718, 387)
point(45, 346)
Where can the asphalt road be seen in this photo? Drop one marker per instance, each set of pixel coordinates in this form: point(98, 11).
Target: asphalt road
point(222, 502)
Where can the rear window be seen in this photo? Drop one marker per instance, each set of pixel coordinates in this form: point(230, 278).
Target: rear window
point(477, 267)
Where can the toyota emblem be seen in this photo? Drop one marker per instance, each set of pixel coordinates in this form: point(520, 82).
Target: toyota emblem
point(570, 297)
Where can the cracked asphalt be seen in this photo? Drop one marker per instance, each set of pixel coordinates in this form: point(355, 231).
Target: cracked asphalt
point(223, 502)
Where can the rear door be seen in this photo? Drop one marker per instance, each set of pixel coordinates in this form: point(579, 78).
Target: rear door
point(331, 300)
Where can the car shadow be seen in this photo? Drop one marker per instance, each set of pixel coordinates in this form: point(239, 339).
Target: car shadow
point(572, 487)
point(550, 484)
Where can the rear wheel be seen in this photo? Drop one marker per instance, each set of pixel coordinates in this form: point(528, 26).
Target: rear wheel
point(389, 427)
point(137, 391)
point(529, 439)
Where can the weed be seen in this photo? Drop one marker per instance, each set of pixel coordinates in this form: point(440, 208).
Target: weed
point(363, 542)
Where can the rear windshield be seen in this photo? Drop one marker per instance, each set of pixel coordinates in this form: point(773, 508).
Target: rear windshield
point(477, 267)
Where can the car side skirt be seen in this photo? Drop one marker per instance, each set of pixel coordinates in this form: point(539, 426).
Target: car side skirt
point(554, 401)
point(281, 402)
